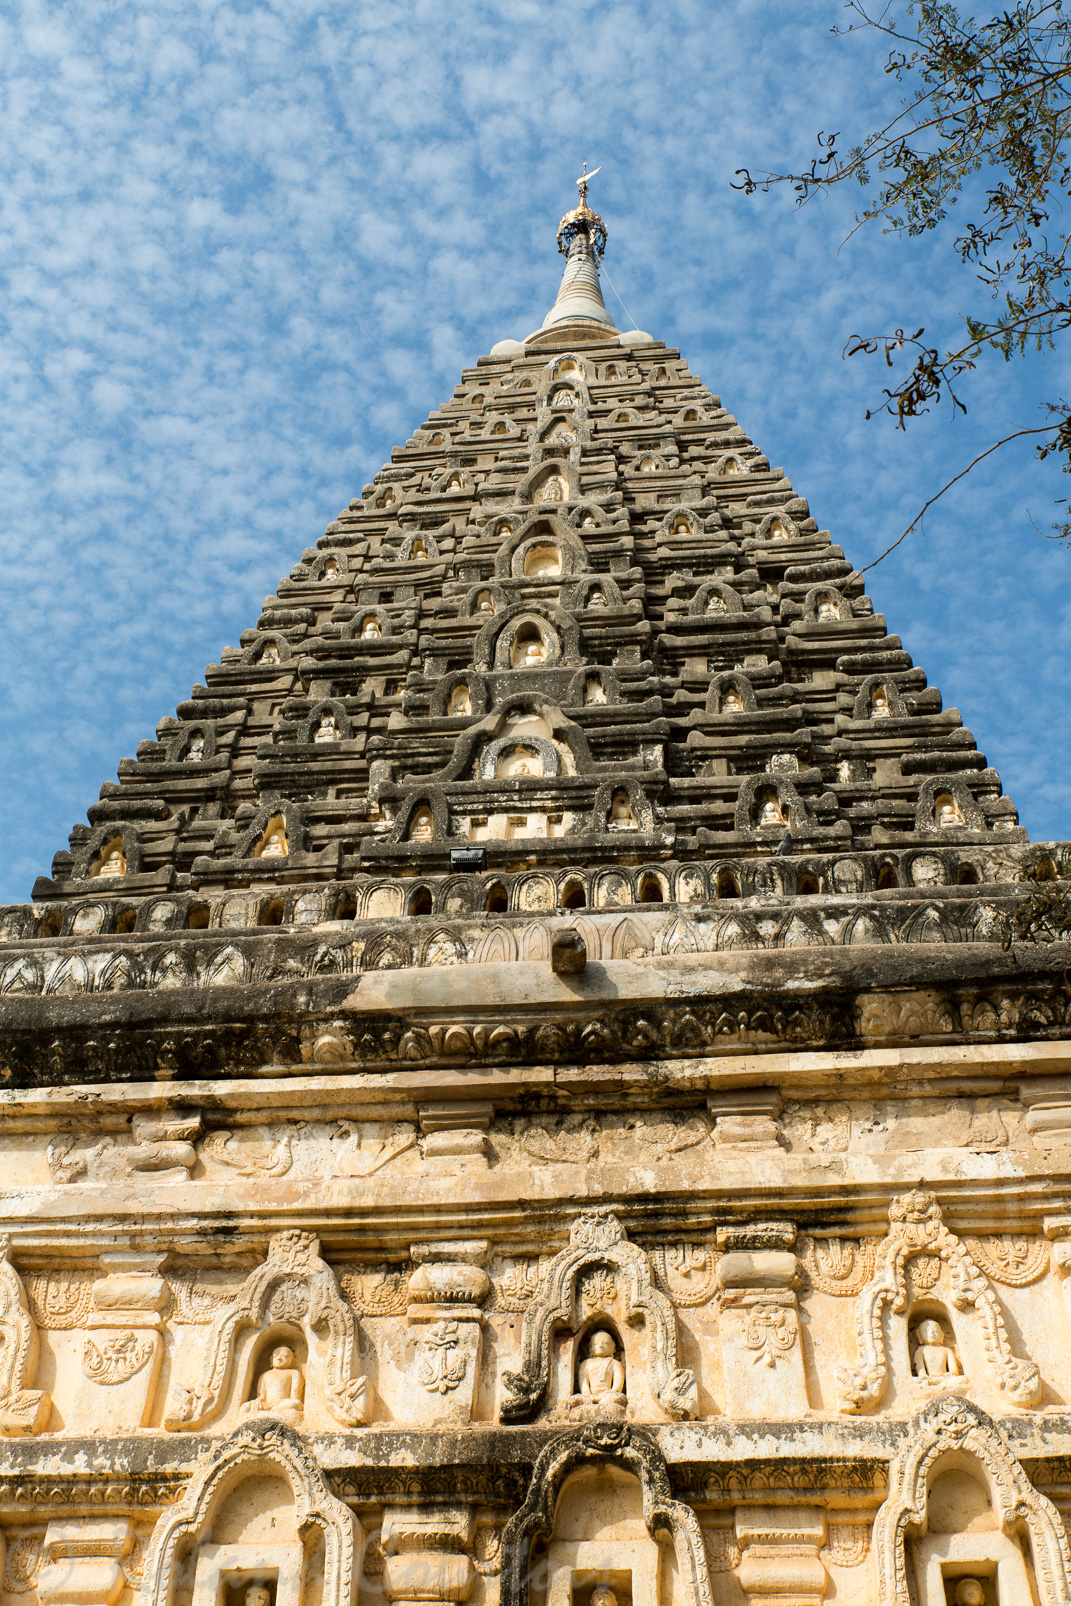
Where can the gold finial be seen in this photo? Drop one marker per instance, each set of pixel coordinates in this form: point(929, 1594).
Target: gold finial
point(583, 221)
point(582, 183)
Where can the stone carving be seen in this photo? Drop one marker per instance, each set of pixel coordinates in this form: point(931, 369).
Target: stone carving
point(1012, 1259)
point(847, 1543)
point(440, 1364)
point(515, 1288)
point(23, 1409)
point(22, 1565)
point(576, 1141)
point(248, 1159)
point(615, 1444)
point(257, 1451)
point(194, 1301)
point(119, 1359)
point(600, 1378)
point(293, 1284)
point(722, 1549)
point(931, 1357)
point(686, 1272)
point(376, 1292)
point(915, 1227)
point(838, 1265)
point(770, 1330)
point(360, 1157)
point(487, 1551)
point(160, 1148)
point(280, 1388)
point(956, 1426)
point(58, 1301)
point(597, 1239)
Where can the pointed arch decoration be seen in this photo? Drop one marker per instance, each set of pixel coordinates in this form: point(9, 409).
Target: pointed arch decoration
point(294, 1279)
point(597, 1238)
point(916, 1228)
point(255, 1452)
point(957, 1427)
point(616, 1444)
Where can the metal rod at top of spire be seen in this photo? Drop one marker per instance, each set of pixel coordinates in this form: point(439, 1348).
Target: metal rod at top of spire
point(582, 182)
point(583, 222)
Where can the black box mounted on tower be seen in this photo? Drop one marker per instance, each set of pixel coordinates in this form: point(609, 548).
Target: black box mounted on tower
point(471, 859)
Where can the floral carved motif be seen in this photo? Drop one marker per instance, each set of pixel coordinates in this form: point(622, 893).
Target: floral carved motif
point(118, 1360)
point(58, 1302)
point(722, 1549)
point(847, 1543)
point(771, 1331)
point(1013, 1258)
point(379, 1291)
point(916, 1230)
point(440, 1365)
point(23, 1564)
point(838, 1266)
point(686, 1272)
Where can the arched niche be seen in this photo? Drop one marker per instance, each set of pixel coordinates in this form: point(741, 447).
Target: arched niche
point(330, 568)
point(825, 605)
point(542, 548)
point(455, 482)
point(368, 624)
point(599, 1275)
point(292, 1297)
point(550, 485)
point(110, 851)
point(731, 693)
point(622, 806)
point(879, 697)
point(728, 466)
point(594, 685)
point(256, 1510)
point(960, 1505)
point(776, 526)
point(947, 805)
point(557, 632)
point(462, 694)
point(420, 547)
point(599, 1510)
point(267, 651)
point(524, 718)
point(594, 592)
point(518, 757)
point(714, 598)
point(274, 828)
point(423, 817)
point(328, 722)
point(484, 600)
point(560, 429)
point(193, 743)
point(769, 803)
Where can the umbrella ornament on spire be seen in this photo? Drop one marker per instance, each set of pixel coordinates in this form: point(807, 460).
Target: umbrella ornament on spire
point(582, 221)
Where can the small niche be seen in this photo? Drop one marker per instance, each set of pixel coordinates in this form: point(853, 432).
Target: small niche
point(347, 907)
point(727, 886)
point(969, 877)
point(420, 902)
point(651, 890)
point(272, 913)
point(807, 887)
point(197, 919)
point(51, 925)
point(497, 901)
point(887, 879)
point(125, 921)
point(574, 897)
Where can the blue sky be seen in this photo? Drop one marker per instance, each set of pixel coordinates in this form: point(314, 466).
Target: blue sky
point(246, 247)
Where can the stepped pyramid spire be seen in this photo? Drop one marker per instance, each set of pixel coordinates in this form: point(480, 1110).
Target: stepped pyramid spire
point(508, 1008)
point(582, 241)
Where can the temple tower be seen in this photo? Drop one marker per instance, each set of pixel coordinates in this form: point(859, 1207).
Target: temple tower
point(516, 1094)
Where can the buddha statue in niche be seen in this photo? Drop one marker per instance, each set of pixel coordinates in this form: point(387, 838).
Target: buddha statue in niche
point(330, 573)
point(596, 599)
point(543, 562)
point(553, 489)
point(621, 817)
point(269, 653)
point(418, 552)
point(730, 466)
point(529, 650)
point(948, 813)
point(716, 603)
point(280, 1389)
point(731, 701)
point(257, 1595)
point(827, 612)
point(932, 1358)
point(453, 483)
point(770, 813)
point(112, 861)
point(563, 399)
point(422, 828)
point(879, 704)
point(594, 691)
point(968, 1592)
point(370, 630)
point(275, 844)
point(196, 750)
point(601, 1377)
point(648, 465)
point(460, 701)
point(603, 1595)
point(588, 522)
point(485, 603)
point(776, 531)
point(681, 526)
point(327, 730)
point(519, 761)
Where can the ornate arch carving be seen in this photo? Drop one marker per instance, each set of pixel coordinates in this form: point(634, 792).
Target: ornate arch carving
point(23, 1409)
point(633, 1452)
point(956, 1426)
point(916, 1228)
point(597, 1238)
point(249, 1453)
point(306, 1285)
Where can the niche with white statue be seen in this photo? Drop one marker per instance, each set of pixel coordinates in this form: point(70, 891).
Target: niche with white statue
point(964, 1559)
point(601, 1553)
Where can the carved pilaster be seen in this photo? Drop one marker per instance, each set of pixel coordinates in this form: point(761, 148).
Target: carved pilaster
point(746, 1118)
point(23, 1409)
point(445, 1331)
point(759, 1322)
point(779, 1563)
point(123, 1347)
point(82, 1558)
point(456, 1131)
point(427, 1553)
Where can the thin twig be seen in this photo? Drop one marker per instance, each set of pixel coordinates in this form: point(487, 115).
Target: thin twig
point(1042, 429)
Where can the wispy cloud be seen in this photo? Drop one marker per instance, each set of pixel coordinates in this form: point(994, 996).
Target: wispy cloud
point(245, 247)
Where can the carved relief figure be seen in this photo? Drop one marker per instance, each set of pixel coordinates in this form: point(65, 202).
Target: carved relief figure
point(563, 399)
point(485, 603)
point(460, 701)
point(947, 812)
point(969, 1592)
point(828, 612)
point(274, 844)
point(716, 603)
point(269, 653)
point(330, 570)
point(370, 630)
point(196, 750)
point(553, 489)
point(418, 551)
point(327, 730)
point(280, 1389)
point(879, 704)
point(422, 827)
point(731, 701)
point(770, 812)
point(519, 761)
point(933, 1359)
point(543, 562)
point(112, 861)
point(601, 1377)
point(681, 525)
point(621, 816)
point(529, 650)
point(594, 691)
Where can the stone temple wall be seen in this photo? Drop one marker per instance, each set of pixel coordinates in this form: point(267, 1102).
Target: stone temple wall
point(516, 1094)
